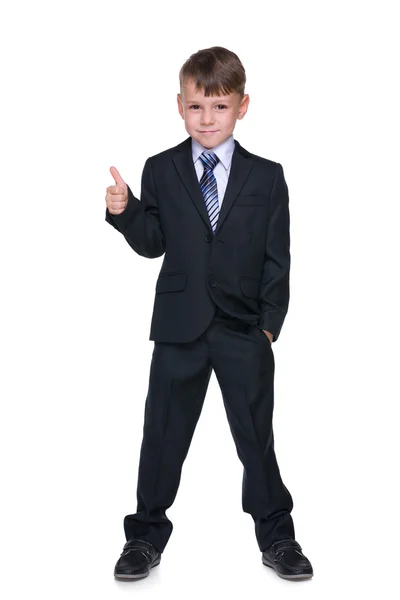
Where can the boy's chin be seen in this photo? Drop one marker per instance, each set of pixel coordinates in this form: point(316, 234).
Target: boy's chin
point(209, 141)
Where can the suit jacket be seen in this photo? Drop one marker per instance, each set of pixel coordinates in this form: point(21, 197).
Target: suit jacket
point(243, 267)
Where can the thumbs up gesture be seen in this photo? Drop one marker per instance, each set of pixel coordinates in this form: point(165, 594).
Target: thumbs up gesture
point(117, 195)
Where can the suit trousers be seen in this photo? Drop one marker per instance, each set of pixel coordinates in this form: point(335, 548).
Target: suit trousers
point(242, 358)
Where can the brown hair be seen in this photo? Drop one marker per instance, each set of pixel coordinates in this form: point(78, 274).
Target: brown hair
point(215, 70)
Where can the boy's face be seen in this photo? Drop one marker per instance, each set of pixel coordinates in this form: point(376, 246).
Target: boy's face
point(210, 120)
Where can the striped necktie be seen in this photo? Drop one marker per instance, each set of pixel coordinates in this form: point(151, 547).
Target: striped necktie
point(208, 185)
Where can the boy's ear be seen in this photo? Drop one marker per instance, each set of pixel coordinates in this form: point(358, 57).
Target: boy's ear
point(244, 105)
point(180, 105)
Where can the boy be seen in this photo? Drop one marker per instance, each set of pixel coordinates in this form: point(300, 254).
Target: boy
point(220, 215)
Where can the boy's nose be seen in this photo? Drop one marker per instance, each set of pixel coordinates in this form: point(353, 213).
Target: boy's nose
point(207, 119)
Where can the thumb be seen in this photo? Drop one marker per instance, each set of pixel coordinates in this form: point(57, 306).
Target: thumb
point(117, 177)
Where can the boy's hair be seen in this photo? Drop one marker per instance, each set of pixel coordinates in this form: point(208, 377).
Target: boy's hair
point(216, 71)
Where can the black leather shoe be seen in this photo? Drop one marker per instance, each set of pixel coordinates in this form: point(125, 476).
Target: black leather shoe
point(136, 560)
point(286, 557)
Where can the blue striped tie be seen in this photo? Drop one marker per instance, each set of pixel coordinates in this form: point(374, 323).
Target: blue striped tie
point(208, 185)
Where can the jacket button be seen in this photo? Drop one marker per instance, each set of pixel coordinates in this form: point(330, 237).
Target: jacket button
point(208, 237)
point(213, 283)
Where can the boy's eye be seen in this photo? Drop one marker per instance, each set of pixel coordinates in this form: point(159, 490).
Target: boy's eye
point(197, 106)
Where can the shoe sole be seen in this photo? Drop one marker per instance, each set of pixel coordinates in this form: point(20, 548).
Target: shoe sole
point(298, 576)
point(128, 577)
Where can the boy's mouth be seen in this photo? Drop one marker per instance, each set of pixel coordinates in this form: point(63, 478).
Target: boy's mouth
point(209, 131)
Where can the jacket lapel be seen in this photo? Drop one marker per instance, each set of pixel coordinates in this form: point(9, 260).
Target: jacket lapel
point(242, 163)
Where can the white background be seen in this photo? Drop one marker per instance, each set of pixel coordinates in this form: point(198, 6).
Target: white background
point(92, 84)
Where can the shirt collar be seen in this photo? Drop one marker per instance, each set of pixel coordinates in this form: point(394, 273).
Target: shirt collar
point(224, 150)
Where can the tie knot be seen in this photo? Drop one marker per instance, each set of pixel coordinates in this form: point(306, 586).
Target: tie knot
point(209, 160)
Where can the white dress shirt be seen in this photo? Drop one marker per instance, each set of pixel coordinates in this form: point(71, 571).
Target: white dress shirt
point(224, 152)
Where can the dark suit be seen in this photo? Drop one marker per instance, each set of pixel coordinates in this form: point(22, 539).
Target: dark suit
point(214, 295)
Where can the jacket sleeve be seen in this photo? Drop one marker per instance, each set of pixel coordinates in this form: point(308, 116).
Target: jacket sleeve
point(274, 290)
point(140, 223)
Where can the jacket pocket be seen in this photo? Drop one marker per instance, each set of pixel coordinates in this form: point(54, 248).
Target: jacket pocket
point(171, 282)
point(250, 287)
point(250, 200)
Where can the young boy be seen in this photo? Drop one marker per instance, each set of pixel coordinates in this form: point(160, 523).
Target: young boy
point(220, 217)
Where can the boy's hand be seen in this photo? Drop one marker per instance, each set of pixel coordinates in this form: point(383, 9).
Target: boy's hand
point(269, 335)
point(117, 195)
